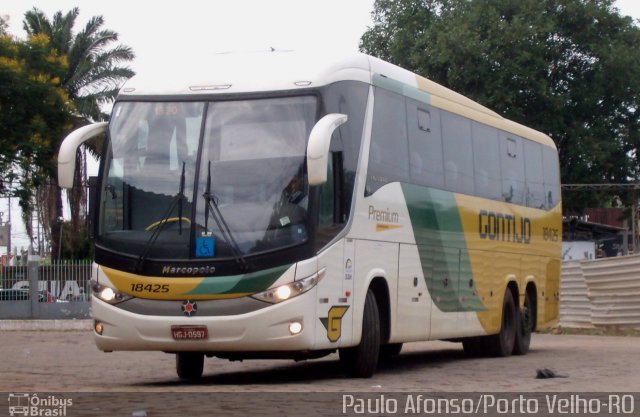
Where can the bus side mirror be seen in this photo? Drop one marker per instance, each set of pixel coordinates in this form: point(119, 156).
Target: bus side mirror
point(67, 153)
point(318, 147)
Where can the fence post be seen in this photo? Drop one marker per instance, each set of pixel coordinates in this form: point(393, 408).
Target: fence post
point(34, 295)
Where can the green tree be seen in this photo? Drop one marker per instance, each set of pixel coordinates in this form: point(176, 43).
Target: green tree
point(34, 114)
point(568, 68)
point(93, 75)
point(94, 72)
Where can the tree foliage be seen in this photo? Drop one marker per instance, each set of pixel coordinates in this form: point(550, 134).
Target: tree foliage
point(51, 83)
point(93, 77)
point(34, 114)
point(568, 68)
point(94, 71)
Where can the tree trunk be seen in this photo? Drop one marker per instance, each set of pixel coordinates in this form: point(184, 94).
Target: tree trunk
point(77, 196)
point(54, 203)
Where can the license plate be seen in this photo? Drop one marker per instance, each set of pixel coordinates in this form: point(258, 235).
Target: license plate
point(189, 332)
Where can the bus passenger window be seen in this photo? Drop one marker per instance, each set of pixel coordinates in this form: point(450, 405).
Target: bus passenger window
point(512, 167)
point(425, 145)
point(533, 169)
point(551, 177)
point(388, 155)
point(486, 161)
point(458, 158)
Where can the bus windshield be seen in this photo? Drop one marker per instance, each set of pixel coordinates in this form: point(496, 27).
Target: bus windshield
point(228, 173)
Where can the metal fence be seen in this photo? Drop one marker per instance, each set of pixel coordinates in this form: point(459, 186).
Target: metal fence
point(575, 308)
point(603, 292)
point(55, 291)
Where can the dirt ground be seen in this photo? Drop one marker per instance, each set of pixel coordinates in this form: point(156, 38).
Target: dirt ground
point(68, 362)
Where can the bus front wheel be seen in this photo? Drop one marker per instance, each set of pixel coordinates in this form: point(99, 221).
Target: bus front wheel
point(361, 361)
point(189, 365)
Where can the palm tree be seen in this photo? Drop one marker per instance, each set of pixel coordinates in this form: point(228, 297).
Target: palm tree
point(93, 78)
point(94, 75)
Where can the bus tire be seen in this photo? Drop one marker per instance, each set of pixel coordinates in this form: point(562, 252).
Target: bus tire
point(502, 344)
point(390, 351)
point(189, 365)
point(361, 361)
point(525, 327)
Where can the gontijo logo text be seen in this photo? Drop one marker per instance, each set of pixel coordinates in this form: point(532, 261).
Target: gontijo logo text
point(504, 227)
point(25, 404)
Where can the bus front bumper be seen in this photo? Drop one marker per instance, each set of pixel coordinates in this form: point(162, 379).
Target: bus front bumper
point(266, 329)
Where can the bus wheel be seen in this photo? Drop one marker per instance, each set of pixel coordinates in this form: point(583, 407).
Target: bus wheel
point(525, 327)
point(361, 361)
point(501, 344)
point(390, 351)
point(189, 365)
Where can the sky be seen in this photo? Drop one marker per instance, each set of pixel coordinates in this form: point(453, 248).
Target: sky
point(157, 30)
point(181, 29)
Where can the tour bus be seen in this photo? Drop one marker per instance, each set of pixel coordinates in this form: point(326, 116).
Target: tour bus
point(272, 205)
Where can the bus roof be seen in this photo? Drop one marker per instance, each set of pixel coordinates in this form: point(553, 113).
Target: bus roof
point(236, 73)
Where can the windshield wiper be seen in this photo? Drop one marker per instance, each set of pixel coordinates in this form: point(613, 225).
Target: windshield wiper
point(227, 235)
point(177, 200)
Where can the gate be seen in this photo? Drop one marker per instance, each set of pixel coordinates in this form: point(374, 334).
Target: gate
point(57, 291)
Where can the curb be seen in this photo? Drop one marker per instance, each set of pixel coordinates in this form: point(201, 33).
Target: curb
point(39, 325)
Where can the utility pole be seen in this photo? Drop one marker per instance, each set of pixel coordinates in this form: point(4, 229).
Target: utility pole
point(9, 233)
point(2, 230)
point(7, 228)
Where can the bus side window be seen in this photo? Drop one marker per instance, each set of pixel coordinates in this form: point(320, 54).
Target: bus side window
point(512, 166)
point(457, 151)
point(425, 145)
point(327, 197)
point(486, 161)
point(533, 169)
point(551, 177)
point(388, 154)
point(332, 194)
point(331, 217)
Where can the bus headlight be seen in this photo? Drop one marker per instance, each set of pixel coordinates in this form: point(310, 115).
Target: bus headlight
point(109, 295)
point(287, 291)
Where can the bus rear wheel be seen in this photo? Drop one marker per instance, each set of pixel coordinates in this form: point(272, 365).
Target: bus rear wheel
point(189, 365)
point(525, 327)
point(361, 361)
point(502, 344)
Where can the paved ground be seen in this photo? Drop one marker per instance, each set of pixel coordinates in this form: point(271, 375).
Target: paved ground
point(67, 361)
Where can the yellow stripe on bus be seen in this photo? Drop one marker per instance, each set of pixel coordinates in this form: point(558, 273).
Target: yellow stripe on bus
point(161, 288)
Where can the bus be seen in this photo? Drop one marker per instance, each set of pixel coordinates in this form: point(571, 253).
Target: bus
point(276, 206)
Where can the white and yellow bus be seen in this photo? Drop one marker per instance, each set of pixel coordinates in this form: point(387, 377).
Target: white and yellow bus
point(280, 207)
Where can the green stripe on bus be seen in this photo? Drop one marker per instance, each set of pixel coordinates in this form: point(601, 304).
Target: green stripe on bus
point(401, 88)
point(244, 283)
point(442, 248)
